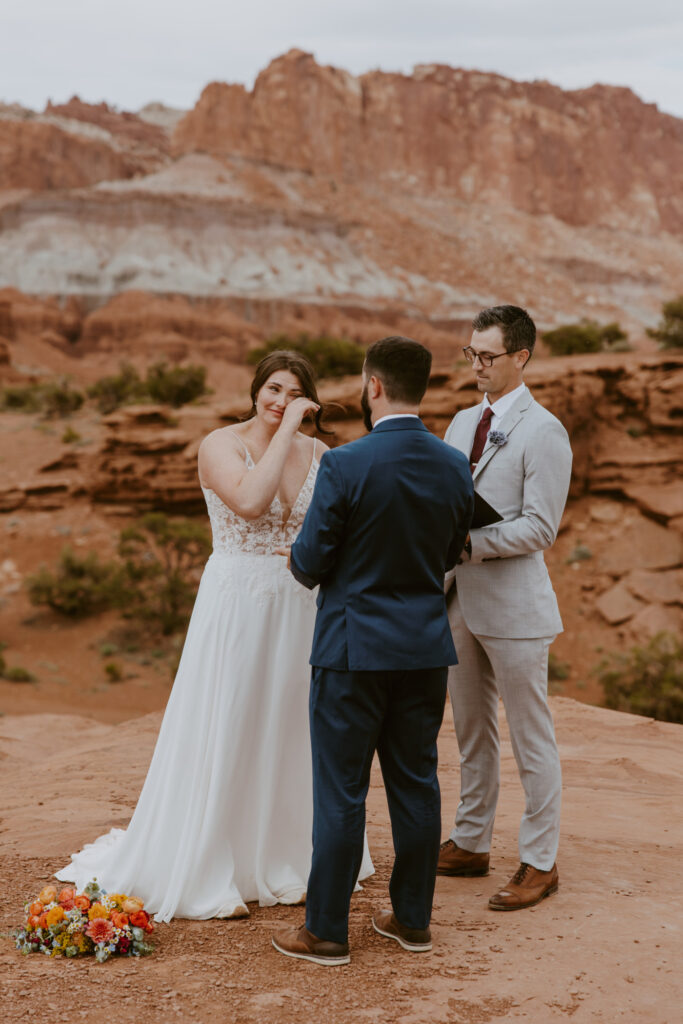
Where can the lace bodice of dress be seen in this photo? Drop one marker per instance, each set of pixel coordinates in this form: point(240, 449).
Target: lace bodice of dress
point(233, 535)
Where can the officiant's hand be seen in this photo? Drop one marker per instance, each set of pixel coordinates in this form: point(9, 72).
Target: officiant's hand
point(286, 553)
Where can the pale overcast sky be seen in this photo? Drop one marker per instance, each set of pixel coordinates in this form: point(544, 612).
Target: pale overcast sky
point(132, 51)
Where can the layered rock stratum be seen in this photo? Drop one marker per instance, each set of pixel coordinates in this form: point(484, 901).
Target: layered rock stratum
point(428, 194)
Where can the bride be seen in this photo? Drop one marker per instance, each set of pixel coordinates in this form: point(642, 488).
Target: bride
point(225, 814)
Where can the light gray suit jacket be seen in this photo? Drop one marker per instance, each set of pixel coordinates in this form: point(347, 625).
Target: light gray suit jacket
point(504, 590)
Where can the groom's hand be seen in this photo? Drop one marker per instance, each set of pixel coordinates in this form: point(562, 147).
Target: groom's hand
point(286, 552)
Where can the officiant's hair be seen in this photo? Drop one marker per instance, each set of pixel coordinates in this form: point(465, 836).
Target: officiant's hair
point(517, 327)
point(296, 363)
point(403, 366)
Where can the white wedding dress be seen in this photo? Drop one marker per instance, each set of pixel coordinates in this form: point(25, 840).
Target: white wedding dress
point(225, 814)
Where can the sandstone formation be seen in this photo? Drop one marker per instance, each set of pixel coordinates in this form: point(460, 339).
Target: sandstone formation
point(424, 195)
point(478, 136)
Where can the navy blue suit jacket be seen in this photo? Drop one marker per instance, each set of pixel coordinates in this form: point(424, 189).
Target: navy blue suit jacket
point(389, 515)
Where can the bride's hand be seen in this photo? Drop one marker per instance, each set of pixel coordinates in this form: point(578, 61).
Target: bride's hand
point(295, 412)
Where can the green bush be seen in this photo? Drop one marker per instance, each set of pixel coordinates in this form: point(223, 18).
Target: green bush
point(558, 670)
point(124, 387)
point(581, 553)
point(175, 385)
point(55, 398)
point(114, 671)
point(16, 674)
point(585, 336)
point(162, 556)
point(80, 586)
point(669, 332)
point(647, 680)
point(330, 357)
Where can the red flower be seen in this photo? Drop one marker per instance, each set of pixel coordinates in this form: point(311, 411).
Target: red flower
point(140, 919)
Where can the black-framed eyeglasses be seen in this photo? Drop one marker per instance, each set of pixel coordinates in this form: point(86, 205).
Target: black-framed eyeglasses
point(485, 358)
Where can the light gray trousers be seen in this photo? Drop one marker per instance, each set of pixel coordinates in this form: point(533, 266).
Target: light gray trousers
point(517, 671)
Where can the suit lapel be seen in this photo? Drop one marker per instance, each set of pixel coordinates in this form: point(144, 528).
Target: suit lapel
point(466, 429)
point(507, 425)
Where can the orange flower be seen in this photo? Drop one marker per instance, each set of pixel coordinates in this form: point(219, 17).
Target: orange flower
point(82, 901)
point(131, 905)
point(67, 896)
point(42, 921)
point(97, 910)
point(100, 930)
point(36, 908)
point(139, 919)
point(119, 920)
point(48, 894)
point(33, 921)
point(55, 915)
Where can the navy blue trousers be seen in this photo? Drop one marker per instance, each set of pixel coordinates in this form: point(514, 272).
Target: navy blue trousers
point(352, 714)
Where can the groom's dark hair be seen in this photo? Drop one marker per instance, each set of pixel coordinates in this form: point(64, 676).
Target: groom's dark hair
point(402, 365)
point(517, 327)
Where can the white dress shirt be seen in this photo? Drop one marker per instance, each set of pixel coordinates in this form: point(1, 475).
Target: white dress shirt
point(395, 416)
point(501, 405)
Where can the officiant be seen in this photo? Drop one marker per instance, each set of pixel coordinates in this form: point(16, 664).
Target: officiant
point(503, 610)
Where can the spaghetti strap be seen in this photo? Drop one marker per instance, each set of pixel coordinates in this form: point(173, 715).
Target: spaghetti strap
point(246, 450)
point(315, 443)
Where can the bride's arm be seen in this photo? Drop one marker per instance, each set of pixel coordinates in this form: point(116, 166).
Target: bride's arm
point(222, 468)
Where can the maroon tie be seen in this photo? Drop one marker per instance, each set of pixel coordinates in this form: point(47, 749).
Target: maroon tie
point(482, 432)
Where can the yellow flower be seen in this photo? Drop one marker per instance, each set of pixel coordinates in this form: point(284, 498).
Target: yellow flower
point(116, 899)
point(97, 910)
point(55, 915)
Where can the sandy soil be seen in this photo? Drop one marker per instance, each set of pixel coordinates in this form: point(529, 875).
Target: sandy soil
point(606, 948)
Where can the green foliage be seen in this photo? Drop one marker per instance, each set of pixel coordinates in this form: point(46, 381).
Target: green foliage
point(586, 336)
point(114, 671)
point(70, 436)
point(80, 586)
point(16, 674)
point(54, 398)
point(558, 670)
point(581, 553)
point(176, 385)
point(161, 557)
point(329, 356)
point(119, 389)
point(647, 680)
point(669, 332)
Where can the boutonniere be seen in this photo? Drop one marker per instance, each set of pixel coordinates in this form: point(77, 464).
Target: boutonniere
point(498, 437)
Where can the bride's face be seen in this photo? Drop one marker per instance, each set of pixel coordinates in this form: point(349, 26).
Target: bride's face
point(281, 388)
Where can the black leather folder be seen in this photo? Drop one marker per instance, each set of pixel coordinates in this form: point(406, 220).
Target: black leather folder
point(484, 514)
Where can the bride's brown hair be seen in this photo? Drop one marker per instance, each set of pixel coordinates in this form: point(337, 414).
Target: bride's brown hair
point(296, 363)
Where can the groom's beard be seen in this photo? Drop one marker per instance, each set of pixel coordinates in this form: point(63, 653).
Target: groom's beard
point(367, 411)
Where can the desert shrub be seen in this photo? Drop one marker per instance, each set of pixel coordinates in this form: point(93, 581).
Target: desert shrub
point(669, 332)
point(80, 585)
point(162, 557)
point(558, 670)
point(17, 674)
point(585, 336)
point(175, 385)
point(22, 399)
point(581, 553)
point(60, 399)
point(114, 671)
point(55, 398)
point(647, 680)
point(118, 389)
point(329, 356)
point(70, 436)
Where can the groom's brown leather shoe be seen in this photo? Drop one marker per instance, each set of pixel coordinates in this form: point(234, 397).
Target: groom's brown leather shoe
point(453, 860)
point(304, 945)
point(415, 940)
point(527, 887)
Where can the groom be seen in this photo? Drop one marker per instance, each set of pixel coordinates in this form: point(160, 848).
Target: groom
point(389, 516)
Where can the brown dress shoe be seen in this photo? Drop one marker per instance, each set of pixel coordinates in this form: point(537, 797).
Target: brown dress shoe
point(415, 940)
point(304, 945)
point(453, 860)
point(527, 887)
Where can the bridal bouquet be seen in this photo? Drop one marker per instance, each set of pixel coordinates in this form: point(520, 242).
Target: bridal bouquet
point(92, 922)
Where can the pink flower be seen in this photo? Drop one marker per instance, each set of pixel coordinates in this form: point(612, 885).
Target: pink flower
point(100, 930)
